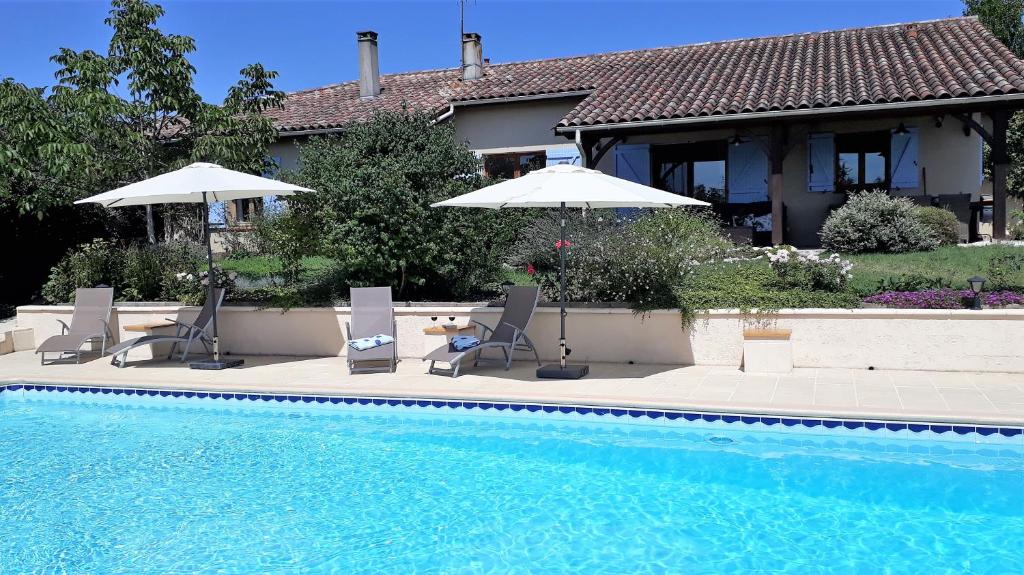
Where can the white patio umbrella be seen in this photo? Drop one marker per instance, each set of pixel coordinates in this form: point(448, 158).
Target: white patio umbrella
point(198, 183)
point(564, 186)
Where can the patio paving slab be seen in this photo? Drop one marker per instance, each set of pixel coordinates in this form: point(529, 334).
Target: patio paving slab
point(979, 398)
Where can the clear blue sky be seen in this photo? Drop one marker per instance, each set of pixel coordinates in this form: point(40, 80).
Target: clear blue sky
point(313, 43)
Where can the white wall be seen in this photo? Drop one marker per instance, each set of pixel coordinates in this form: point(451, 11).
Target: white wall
point(941, 340)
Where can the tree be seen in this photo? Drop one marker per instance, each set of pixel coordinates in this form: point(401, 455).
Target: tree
point(371, 213)
point(82, 136)
point(1005, 19)
point(116, 118)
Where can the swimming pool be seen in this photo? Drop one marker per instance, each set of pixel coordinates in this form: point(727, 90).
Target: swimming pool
point(93, 483)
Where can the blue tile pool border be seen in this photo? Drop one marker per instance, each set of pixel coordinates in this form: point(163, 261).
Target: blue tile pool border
point(627, 413)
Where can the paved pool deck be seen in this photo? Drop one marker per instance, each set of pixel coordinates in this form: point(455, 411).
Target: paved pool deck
point(944, 397)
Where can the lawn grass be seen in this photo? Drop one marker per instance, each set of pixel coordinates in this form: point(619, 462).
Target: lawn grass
point(951, 265)
point(258, 267)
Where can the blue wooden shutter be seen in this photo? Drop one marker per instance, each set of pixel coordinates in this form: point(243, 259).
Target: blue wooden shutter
point(903, 160)
point(567, 155)
point(633, 163)
point(273, 204)
point(821, 163)
point(748, 173)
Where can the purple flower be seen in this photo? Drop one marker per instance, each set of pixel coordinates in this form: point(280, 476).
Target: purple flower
point(942, 299)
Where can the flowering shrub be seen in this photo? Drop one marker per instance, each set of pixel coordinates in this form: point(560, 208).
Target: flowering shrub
point(174, 271)
point(942, 299)
point(877, 222)
point(639, 262)
point(808, 270)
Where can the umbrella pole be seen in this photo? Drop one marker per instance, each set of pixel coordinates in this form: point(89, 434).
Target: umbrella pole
point(562, 370)
point(211, 282)
point(561, 279)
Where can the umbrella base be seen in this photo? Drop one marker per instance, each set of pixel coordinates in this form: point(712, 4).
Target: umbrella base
point(216, 364)
point(556, 371)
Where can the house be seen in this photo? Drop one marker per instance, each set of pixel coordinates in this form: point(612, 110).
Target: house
point(775, 129)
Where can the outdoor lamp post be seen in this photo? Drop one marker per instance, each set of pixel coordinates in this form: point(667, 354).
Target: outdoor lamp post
point(977, 283)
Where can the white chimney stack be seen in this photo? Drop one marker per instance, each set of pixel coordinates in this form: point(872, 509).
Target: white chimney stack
point(472, 57)
point(369, 69)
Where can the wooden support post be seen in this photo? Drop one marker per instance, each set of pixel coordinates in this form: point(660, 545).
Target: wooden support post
point(776, 155)
point(1000, 167)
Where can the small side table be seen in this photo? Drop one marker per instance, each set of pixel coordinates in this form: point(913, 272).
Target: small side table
point(437, 335)
point(152, 328)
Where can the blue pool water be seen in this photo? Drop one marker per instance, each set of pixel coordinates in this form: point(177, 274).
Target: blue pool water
point(163, 486)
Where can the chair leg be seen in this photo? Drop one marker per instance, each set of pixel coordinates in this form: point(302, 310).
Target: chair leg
point(455, 368)
point(508, 357)
point(188, 346)
point(174, 348)
point(533, 348)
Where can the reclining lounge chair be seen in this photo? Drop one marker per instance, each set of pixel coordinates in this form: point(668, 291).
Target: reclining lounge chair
point(89, 322)
point(508, 335)
point(187, 334)
point(372, 314)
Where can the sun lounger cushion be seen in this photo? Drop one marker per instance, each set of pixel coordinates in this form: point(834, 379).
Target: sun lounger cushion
point(365, 343)
point(464, 342)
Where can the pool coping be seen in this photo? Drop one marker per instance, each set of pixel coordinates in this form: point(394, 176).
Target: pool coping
point(700, 406)
point(828, 422)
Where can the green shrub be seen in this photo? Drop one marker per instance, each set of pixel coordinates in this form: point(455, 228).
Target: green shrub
point(639, 262)
point(909, 282)
point(751, 285)
point(942, 224)
point(876, 222)
point(88, 265)
point(375, 184)
point(808, 271)
point(174, 271)
point(1006, 272)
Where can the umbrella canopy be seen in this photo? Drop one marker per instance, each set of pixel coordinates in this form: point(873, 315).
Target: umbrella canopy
point(573, 186)
point(194, 184)
point(198, 183)
point(563, 186)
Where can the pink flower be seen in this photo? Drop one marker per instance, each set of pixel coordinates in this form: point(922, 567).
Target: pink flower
point(530, 270)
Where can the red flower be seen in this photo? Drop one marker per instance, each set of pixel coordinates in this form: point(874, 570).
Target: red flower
point(530, 270)
point(558, 244)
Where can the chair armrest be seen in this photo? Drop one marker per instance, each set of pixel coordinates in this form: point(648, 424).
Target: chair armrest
point(64, 329)
point(348, 331)
point(485, 326)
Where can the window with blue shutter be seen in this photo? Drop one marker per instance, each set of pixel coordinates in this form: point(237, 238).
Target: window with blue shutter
point(748, 172)
point(903, 158)
point(821, 158)
point(633, 163)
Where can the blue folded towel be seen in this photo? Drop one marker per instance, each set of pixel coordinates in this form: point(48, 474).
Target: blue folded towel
point(365, 343)
point(464, 342)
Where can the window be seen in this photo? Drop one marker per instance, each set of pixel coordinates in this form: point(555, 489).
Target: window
point(694, 170)
point(244, 210)
point(862, 161)
point(513, 165)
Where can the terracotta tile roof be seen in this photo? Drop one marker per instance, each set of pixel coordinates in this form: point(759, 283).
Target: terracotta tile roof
point(939, 59)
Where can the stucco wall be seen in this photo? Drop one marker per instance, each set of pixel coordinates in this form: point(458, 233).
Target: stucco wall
point(943, 340)
point(525, 125)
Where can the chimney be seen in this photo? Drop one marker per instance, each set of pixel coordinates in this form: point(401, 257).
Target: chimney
point(369, 70)
point(472, 57)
